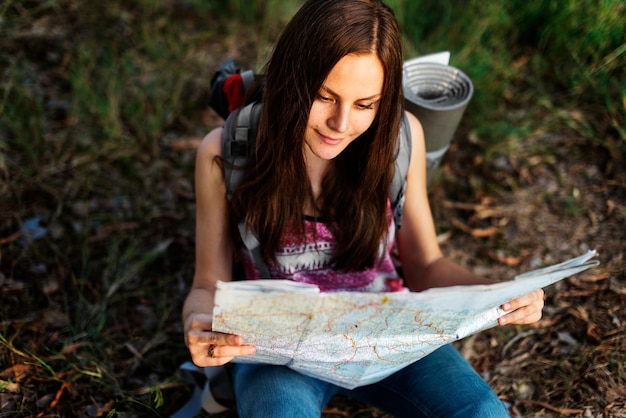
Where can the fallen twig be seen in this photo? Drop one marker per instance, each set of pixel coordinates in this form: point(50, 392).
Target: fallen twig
point(562, 411)
point(475, 232)
point(10, 238)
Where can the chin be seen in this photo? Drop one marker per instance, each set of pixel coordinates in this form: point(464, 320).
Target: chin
point(328, 154)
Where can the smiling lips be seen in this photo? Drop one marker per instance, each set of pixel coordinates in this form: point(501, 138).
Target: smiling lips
point(328, 140)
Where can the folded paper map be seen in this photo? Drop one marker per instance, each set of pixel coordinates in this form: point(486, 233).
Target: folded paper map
point(354, 338)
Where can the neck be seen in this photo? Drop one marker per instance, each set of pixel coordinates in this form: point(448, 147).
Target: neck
point(316, 169)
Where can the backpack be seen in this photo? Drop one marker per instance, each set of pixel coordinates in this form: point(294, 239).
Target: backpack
point(228, 89)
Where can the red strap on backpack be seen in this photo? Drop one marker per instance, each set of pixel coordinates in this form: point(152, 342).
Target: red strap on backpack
point(233, 89)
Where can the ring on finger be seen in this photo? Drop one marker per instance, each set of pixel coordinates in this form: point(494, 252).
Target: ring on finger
point(211, 351)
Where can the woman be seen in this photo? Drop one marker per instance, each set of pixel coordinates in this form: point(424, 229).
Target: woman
point(319, 180)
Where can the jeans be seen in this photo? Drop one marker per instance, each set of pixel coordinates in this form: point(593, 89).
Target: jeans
point(442, 384)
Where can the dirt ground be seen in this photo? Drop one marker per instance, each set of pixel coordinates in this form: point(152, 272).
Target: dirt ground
point(544, 201)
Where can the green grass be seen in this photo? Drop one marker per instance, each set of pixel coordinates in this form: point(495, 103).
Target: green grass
point(567, 57)
point(94, 96)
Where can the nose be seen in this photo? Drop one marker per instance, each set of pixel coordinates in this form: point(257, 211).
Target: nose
point(338, 120)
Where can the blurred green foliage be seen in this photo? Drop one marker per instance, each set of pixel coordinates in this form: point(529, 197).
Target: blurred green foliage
point(568, 54)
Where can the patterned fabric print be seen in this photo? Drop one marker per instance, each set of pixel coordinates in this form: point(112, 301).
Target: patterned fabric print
point(309, 262)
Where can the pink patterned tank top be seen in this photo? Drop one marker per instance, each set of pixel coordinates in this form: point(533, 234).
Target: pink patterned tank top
point(309, 262)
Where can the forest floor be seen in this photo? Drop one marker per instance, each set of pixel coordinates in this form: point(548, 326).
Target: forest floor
point(90, 313)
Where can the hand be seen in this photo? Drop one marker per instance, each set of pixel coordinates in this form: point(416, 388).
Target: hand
point(208, 348)
point(523, 310)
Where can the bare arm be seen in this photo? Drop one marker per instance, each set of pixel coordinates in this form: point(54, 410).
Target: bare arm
point(423, 264)
point(213, 261)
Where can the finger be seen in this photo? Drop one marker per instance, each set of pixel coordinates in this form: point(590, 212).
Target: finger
point(215, 355)
point(197, 323)
point(525, 300)
point(228, 351)
point(525, 314)
point(202, 321)
point(195, 336)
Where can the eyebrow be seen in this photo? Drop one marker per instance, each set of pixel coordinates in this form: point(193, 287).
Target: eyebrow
point(372, 97)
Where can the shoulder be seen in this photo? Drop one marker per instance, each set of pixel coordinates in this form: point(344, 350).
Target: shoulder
point(211, 145)
point(417, 133)
point(209, 168)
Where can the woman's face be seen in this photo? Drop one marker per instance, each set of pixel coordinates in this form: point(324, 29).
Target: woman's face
point(344, 107)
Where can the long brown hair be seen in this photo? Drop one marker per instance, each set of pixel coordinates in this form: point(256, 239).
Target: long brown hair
point(275, 186)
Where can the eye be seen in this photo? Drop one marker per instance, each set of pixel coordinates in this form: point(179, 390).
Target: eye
point(324, 98)
point(368, 106)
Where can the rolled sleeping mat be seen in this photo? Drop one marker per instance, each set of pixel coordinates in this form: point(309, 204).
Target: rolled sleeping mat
point(437, 95)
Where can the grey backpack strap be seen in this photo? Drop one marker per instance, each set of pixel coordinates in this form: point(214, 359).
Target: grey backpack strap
point(238, 142)
point(252, 244)
point(403, 159)
point(248, 78)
